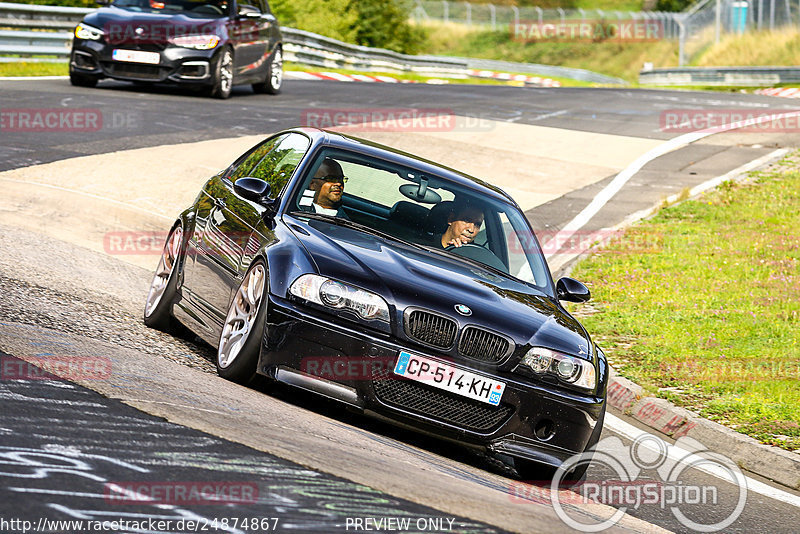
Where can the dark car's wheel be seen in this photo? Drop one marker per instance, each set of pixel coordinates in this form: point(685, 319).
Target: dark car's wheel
point(222, 77)
point(82, 80)
point(240, 342)
point(157, 309)
point(528, 470)
point(272, 84)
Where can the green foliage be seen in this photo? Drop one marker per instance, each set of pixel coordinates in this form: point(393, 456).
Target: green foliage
point(332, 18)
point(375, 23)
point(384, 24)
point(673, 5)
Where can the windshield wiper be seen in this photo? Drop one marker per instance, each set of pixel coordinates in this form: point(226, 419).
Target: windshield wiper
point(347, 223)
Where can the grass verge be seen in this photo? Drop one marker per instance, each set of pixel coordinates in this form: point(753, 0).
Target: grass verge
point(34, 69)
point(622, 60)
point(704, 308)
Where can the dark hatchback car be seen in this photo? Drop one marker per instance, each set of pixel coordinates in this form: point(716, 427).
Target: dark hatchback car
point(208, 44)
point(363, 302)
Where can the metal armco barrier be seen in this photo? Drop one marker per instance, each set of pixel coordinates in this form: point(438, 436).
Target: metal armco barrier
point(299, 46)
point(721, 76)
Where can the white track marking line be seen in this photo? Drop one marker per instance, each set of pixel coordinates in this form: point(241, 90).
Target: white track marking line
point(605, 196)
point(630, 432)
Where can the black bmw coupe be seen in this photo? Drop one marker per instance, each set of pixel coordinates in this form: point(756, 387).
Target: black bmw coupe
point(405, 289)
point(208, 44)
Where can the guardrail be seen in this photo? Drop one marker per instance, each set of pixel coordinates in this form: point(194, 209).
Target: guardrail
point(721, 76)
point(299, 46)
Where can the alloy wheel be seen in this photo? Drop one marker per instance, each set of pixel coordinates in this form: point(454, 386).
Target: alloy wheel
point(241, 316)
point(226, 72)
point(277, 70)
point(166, 266)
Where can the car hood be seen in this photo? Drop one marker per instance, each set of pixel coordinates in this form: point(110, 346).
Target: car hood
point(409, 276)
point(120, 24)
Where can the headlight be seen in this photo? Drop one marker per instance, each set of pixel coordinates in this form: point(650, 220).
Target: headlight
point(335, 294)
point(198, 42)
point(84, 31)
point(574, 371)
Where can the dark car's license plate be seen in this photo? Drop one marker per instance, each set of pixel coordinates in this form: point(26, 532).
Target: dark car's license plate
point(449, 378)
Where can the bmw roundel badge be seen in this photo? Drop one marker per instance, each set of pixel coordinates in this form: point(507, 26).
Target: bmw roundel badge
point(463, 310)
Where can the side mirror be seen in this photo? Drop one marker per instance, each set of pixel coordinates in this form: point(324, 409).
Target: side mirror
point(571, 290)
point(252, 189)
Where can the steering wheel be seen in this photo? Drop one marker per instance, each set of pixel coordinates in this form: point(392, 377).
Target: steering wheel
point(478, 253)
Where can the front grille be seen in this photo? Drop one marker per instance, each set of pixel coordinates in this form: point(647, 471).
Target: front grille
point(483, 345)
point(139, 45)
point(431, 329)
point(134, 71)
point(425, 400)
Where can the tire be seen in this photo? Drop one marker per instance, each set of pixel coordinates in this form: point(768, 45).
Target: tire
point(163, 288)
point(82, 80)
point(222, 78)
point(240, 340)
point(528, 470)
point(272, 84)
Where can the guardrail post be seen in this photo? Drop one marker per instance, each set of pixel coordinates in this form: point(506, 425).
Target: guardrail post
point(515, 9)
point(561, 14)
point(717, 21)
point(493, 16)
point(469, 13)
point(541, 15)
point(681, 43)
point(446, 11)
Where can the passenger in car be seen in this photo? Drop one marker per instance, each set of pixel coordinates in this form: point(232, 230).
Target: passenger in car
point(463, 224)
point(328, 184)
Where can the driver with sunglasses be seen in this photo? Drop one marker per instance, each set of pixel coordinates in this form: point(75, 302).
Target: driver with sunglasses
point(328, 184)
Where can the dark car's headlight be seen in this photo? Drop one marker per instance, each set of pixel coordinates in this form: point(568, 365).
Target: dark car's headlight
point(198, 42)
point(573, 371)
point(90, 33)
point(334, 294)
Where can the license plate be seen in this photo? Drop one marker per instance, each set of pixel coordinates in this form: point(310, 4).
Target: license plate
point(449, 378)
point(136, 56)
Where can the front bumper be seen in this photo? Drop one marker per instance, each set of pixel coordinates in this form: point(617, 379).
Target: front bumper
point(534, 421)
point(178, 65)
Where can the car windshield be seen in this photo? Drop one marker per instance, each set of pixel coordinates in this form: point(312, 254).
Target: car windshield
point(423, 209)
point(193, 8)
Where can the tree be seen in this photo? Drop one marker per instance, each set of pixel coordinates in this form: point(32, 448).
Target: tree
point(384, 24)
point(673, 5)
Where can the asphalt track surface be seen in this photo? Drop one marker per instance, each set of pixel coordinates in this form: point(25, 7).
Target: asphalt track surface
point(63, 444)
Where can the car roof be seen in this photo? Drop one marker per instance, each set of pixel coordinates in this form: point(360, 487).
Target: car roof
point(329, 138)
